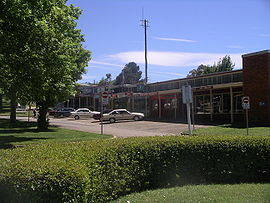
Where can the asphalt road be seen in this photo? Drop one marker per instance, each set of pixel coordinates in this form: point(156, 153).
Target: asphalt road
point(122, 128)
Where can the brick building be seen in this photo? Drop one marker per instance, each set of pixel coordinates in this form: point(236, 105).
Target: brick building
point(216, 96)
point(256, 74)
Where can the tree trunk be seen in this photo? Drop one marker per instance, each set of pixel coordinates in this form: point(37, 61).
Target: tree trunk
point(42, 121)
point(13, 106)
point(1, 102)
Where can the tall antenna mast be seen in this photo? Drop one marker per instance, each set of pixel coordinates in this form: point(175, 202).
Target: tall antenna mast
point(144, 24)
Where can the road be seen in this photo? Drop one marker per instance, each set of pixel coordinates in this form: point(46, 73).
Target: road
point(122, 128)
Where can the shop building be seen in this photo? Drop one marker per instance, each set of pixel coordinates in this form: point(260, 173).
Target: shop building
point(216, 96)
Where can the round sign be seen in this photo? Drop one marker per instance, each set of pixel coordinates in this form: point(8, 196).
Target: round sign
point(245, 100)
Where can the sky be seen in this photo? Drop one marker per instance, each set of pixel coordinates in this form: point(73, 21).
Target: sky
point(182, 34)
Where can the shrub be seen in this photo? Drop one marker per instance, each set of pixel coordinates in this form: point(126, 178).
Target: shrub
point(99, 171)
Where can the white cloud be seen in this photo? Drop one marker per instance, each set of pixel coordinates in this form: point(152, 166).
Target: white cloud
point(105, 63)
point(174, 39)
point(168, 73)
point(264, 35)
point(234, 46)
point(175, 59)
point(88, 77)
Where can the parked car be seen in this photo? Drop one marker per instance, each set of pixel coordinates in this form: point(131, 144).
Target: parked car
point(20, 108)
point(122, 114)
point(63, 112)
point(52, 111)
point(83, 113)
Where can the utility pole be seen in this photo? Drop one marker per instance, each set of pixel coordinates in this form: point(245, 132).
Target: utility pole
point(145, 26)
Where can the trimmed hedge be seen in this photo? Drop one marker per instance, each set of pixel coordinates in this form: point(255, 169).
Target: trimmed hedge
point(99, 171)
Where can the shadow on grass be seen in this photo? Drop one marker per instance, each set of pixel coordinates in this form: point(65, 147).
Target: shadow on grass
point(5, 123)
point(5, 141)
point(30, 130)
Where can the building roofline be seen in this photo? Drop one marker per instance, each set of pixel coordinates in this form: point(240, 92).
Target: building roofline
point(267, 51)
point(200, 76)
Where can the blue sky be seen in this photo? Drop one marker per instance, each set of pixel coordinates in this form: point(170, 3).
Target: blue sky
point(182, 34)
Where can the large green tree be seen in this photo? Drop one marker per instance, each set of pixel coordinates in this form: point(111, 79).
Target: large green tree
point(224, 64)
point(130, 74)
point(42, 55)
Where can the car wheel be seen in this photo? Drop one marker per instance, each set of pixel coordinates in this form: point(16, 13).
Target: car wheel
point(136, 118)
point(77, 117)
point(112, 120)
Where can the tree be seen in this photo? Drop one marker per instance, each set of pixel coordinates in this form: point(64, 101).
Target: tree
point(224, 64)
point(130, 74)
point(42, 54)
point(104, 81)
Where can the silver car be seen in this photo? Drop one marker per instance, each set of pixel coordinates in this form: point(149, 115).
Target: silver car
point(83, 113)
point(122, 114)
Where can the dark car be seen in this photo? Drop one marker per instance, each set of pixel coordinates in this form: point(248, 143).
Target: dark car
point(52, 111)
point(64, 112)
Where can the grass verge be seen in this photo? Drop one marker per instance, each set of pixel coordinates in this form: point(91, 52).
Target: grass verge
point(25, 133)
point(232, 130)
point(203, 193)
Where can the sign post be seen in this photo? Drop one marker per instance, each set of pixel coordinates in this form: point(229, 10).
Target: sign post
point(101, 116)
point(246, 106)
point(104, 101)
point(187, 99)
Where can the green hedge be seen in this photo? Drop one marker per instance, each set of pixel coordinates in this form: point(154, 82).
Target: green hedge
point(99, 171)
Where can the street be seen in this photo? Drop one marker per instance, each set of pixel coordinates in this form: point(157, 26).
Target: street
point(120, 128)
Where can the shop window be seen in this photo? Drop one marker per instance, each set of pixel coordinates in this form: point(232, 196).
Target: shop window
point(238, 77)
point(198, 82)
point(237, 102)
point(217, 104)
point(226, 78)
point(167, 104)
point(154, 105)
point(226, 103)
point(221, 103)
point(174, 103)
point(209, 81)
point(202, 104)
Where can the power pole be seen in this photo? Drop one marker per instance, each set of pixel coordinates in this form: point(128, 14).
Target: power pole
point(145, 26)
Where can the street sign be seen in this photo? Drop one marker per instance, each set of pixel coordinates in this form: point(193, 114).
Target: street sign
point(246, 106)
point(105, 94)
point(245, 103)
point(187, 99)
point(105, 100)
point(187, 94)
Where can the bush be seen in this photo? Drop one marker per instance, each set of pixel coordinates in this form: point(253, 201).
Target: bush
point(104, 170)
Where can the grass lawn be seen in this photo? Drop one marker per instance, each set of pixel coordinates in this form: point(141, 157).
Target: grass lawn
point(204, 193)
point(232, 130)
point(24, 133)
point(6, 110)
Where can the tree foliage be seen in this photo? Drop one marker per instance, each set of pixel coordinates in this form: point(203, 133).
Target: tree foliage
point(130, 74)
point(225, 64)
point(41, 53)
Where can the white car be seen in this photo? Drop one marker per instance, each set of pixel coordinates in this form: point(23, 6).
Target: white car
point(83, 113)
point(122, 114)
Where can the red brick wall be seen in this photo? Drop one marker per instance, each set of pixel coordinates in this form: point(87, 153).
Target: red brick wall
point(256, 74)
